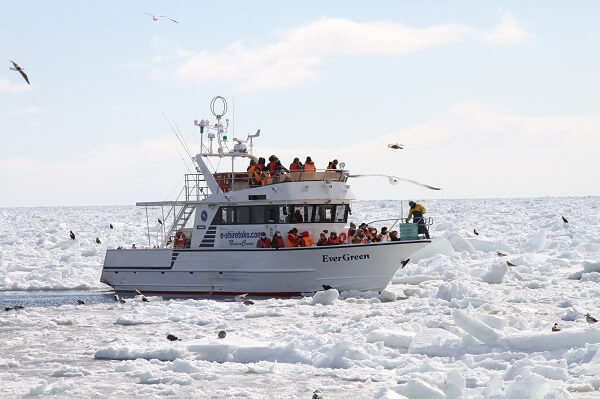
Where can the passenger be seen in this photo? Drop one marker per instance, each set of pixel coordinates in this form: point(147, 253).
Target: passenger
point(261, 174)
point(296, 166)
point(279, 168)
point(418, 210)
point(342, 238)
point(307, 240)
point(322, 240)
point(351, 230)
point(292, 239)
point(332, 165)
point(309, 165)
point(277, 241)
point(394, 236)
point(372, 234)
point(263, 241)
point(298, 216)
point(333, 239)
point(272, 165)
point(359, 238)
point(251, 168)
point(385, 234)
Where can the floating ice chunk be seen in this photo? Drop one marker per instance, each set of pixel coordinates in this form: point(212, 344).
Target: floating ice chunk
point(386, 393)
point(326, 297)
point(438, 246)
point(89, 252)
point(459, 243)
point(550, 372)
point(489, 246)
point(416, 388)
point(593, 367)
point(589, 267)
point(387, 296)
point(476, 328)
point(184, 366)
point(550, 341)
point(113, 353)
point(415, 279)
point(392, 339)
point(537, 242)
point(494, 388)
point(71, 372)
point(455, 384)
point(570, 315)
point(340, 355)
point(533, 386)
point(496, 273)
point(595, 277)
point(448, 291)
point(434, 342)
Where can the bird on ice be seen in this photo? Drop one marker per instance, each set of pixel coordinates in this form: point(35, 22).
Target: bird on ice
point(556, 327)
point(71, 234)
point(111, 226)
point(116, 298)
point(564, 219)
point(171, 337)
point(240, 298)
point(17, 68)
point(509, 263)
point(590, 319)
point(396, 146)
point(98, 241)
point(157, 17)
point(501, 253)
point(248, 302)
point(404, 263)
point(475, 232)
point(222, 334)
point(80, 302)
point(317, 394)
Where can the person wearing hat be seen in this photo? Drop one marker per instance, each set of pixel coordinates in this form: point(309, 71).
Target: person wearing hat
point(332, 165)
point(394, 235)
point(277, 241)
point(333, 239)
point(351, 230)
point(385, 234)
point(296, 166)
point(263, 241)
point(309, 165)
point(292, 238)
point(306, 240)
point(359, 237)
point(416, 212)
point(322, 240)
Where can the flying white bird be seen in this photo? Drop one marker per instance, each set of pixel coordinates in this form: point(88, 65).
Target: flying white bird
point(396, 146)
point(17, 68)
point(395, 179)
point(156, 17)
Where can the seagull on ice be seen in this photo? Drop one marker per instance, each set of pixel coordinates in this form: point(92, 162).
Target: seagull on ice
point(116, 298)
point(240, 298)
point(591, 320)
point(396, 146)
point(71, 234)
point(157, 17)
point(556, 327)
point(564, 219)
point(17, 68)
point(317, 394)
point(501, 253)
point(475, 232)
point(509, 263)
point(222, 334)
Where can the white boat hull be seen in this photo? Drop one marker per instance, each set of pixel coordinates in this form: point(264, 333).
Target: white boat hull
point(274, 272)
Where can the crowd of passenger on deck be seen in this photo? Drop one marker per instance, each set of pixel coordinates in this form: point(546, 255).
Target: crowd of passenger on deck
point(260, 172)
point(361, 235)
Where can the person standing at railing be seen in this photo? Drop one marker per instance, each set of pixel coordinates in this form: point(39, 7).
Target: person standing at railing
point(309, 165)
point(263, 241)
point(416, 212)
point(292, 238)
point(296, 166)
point(251, 171)
point(277, 241)
point(332, 165)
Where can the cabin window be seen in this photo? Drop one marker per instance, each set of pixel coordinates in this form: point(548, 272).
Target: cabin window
point(243, 215)
point(228, 215)
point(284, 214)
point(298, 214)
point(341, 213)
point(272, 214)
point(257, 215)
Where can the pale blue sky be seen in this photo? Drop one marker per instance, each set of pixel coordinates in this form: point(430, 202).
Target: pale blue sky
point(490, 98)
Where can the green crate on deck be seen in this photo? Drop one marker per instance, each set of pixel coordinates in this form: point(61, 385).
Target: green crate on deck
point(408, 231)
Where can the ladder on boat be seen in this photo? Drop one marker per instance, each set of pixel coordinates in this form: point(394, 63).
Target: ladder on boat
point(180, 220)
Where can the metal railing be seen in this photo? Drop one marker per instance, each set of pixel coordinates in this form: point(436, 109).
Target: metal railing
point(241, 181)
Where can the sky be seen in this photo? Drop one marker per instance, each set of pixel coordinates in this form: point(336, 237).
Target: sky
point(490, 99)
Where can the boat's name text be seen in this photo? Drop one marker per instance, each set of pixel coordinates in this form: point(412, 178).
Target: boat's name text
point(239, 234)
point(344, 257)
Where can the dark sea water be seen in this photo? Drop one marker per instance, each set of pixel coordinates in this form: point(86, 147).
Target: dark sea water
point(52, 298)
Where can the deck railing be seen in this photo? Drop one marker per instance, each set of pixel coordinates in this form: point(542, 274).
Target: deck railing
point(240, 181)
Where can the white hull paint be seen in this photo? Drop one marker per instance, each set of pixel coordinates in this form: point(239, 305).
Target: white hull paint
point(276, 272)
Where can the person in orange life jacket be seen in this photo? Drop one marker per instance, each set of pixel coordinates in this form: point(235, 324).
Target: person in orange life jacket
point(251, 168)
point(309, 165)
point(394, 236)
point(272, 165)
point(277, 241)
point(333, 239)
point(292, 239)
point(322, 240)
point(416, 212)
point(359, 237)
point(306, 240)
point(263, 241)
point(351, 230)
point(332, 165)
point(296, 166)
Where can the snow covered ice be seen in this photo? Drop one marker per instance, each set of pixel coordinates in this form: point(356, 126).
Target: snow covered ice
point(456, 322)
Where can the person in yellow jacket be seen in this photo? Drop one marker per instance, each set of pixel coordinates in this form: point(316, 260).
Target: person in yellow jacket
point(416, 212)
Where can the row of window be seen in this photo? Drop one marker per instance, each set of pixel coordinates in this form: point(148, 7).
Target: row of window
point(281, 214)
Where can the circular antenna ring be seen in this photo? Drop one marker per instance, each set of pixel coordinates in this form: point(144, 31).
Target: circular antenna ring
point(223, 108)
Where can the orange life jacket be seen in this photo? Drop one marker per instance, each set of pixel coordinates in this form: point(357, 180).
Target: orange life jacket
point(309, 167)
point(292, 240)
point(343, 238)
point(306, 241)
point(277, 242)
point(266, 243)
point(295, 167)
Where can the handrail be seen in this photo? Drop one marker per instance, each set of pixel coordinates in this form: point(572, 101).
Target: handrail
point(224, 179)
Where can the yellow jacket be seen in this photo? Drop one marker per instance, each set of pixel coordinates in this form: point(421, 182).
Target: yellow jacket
point(417, 208)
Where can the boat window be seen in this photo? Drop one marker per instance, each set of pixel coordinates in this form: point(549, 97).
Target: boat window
point(284, 214)
point(257, 215)
point(341, 213)
point(272, 214)
point(228, 215)
point(297, 214)
point(312, 214)
point(243, 215)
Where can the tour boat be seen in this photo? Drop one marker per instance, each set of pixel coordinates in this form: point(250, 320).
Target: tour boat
point(207, 238)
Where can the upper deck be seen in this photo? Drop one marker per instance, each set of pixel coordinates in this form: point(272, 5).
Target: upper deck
point(236, 181)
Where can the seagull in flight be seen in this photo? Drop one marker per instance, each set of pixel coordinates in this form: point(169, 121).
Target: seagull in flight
point(395, 179)
point(156, 17)
point(17, 68)
point(396, 146)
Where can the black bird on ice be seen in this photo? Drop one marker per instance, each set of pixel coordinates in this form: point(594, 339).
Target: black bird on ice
point(475, 232)
point(98, 241)
point(71, 234)
point(17, 68)
point(564, 219)
point(171, 337)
